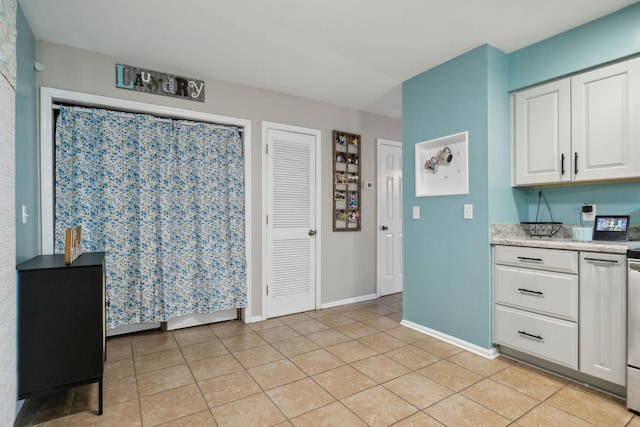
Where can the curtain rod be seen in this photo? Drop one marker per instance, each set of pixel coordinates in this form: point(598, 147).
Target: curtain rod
point(189, 122)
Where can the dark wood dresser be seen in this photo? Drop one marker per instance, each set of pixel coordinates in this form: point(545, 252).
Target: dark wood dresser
point(61, 324)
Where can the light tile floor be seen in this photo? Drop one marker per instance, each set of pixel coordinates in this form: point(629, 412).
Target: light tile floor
point(352, 365)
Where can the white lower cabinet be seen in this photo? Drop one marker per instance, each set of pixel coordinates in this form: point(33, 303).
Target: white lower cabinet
point(603, 316)
point(544, 292)
point(543, 336)
point(564, 306)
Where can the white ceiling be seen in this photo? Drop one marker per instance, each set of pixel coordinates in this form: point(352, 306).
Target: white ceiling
point(353, 53)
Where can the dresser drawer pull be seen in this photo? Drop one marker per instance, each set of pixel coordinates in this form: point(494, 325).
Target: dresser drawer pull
point(530, 292)
point(612, 261)
point(527, 259)
point(538, 337)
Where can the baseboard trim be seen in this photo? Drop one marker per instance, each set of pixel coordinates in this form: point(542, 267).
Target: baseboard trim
point(349, 301)
point(488, 353)
point(255, 319)
point(129, 329)
point(199, 319)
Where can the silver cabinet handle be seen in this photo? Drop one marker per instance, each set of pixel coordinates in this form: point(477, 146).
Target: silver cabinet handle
point(612, 261)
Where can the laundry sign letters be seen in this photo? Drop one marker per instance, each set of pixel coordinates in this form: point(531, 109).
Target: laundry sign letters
point(158, 83)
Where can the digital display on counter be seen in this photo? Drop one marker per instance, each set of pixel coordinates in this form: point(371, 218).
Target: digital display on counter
point(611, 223)
point(611, 227)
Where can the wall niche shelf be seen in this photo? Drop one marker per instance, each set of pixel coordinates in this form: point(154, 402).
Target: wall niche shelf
point(346, 181)
point(442, 166)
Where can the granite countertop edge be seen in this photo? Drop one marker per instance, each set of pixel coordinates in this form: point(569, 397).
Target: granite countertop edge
point(512, 235)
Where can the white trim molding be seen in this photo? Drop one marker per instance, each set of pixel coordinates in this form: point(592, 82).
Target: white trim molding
point(379, 143)
point(318, 154)
point(488, 353)
point(49, 96)
point(349, 301)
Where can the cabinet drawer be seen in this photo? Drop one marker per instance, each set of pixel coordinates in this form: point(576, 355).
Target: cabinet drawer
point(545, 292)
point(552, 339)
point(540, 259)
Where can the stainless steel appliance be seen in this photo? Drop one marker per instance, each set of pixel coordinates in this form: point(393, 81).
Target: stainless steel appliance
point(633, 331)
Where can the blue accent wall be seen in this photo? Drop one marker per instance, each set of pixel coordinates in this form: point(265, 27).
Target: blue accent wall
point(447, 274)
point(566, 202)
point(604, 40)
point(447, 260)
point(26, 156)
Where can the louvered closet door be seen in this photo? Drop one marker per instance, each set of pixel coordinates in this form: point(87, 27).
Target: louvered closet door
point(291, 222)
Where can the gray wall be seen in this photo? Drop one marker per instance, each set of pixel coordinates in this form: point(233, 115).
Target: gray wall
point(348, 259)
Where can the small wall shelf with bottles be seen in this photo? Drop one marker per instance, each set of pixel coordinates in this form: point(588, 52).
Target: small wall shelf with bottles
point(346, 181)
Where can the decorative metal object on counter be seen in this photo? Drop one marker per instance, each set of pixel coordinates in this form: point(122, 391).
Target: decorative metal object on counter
point(540, 228)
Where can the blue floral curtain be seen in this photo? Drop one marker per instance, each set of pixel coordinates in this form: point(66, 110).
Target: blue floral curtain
point(165, 200)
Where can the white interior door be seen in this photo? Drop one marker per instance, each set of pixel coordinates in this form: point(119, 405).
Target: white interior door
point(389, 217)
point(290, 222)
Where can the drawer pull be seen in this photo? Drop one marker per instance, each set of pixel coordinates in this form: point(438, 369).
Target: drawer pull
point(530, 292)
point(612, 261)
point(538, 337)
point(527, 259)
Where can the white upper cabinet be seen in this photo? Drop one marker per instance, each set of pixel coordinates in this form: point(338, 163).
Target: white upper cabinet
point(583, 128)
point(605, 122)
point(542, 131)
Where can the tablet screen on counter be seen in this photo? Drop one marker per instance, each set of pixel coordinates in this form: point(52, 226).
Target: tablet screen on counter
point(611, 227)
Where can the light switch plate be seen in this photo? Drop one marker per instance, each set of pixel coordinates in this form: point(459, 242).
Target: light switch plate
point(416, 212)
point(468, 211)
point(25, 215)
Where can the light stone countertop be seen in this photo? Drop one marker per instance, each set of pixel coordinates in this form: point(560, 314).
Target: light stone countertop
point(513, 235)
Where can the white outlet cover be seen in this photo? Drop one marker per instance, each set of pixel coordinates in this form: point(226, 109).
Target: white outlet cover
point(589, 216)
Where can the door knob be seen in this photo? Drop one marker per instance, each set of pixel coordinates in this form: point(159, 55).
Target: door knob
point(384, 227)
point(312, 232)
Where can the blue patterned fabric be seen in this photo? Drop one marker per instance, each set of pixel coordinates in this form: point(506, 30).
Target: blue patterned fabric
point(165, 200)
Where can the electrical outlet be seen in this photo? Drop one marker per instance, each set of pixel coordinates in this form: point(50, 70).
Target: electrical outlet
point(589, 216)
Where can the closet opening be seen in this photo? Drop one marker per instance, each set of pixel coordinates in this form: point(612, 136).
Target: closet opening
point(167, 124)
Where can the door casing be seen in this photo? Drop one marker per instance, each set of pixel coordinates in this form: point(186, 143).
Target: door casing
point(318, 201)
point(379, 258)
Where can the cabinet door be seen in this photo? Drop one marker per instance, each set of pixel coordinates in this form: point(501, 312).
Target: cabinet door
point(542, 138)
point(605, 114)
point(603, 316)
